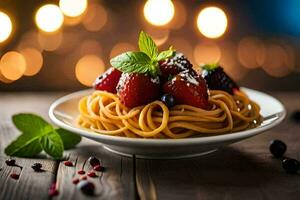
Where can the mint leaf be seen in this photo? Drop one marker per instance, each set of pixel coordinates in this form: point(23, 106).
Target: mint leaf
point(31, 123)
point(147, 45)
point(69, 139)
point(165, 54)
point(52, 144)
point(132, 62)
point(26, 145)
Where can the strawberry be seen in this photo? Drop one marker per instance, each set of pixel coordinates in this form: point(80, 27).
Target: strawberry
point(138, 89)
point(108, 80)
point(217, 79)
point(188, 89)
point(174, 65)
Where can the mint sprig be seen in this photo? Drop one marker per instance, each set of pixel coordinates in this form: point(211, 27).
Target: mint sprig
point(38, 135)
point(144, 61)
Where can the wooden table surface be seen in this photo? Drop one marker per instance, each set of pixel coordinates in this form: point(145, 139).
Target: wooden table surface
point(244, 170)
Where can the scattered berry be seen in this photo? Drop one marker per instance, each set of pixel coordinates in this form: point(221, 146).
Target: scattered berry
point(68, 163)
point(217, 79)
point(37, 167)
point(93, 161)
point(277, 148)
point(92, 174)
point(290, 165)
point(168, 99)
point(52, 192)
point(296, 116)
point(14, 176)
point(138, 89)
point(75, 181)
point(81, 172)
point(188, 89)
point(98, 168)
point(174, 65)
point(86, 187)
point(108, 81)
point(83, 178)
point(10, 162)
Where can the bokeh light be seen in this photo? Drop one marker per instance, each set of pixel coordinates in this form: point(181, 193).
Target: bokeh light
point(159, 35)
point(180, 16)
point(159, 12)
point(212, 22)
point(5, 27)
point(49, 18)
point(3, 79)
point(95, 18)
point(88, 68)
point(90, 47)
point(73, 8)
point(276, 62)
point(251, 52)
point(13, 65)
point(121, 47)
point(34, 61)
point(50, 42)
point(207, 53)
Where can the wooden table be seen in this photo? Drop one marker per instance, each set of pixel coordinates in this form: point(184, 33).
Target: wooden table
point(244, 170)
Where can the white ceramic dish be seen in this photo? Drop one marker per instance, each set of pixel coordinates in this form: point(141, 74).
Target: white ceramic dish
point(63, 113)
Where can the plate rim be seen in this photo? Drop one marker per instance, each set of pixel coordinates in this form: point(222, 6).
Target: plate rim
point(168, 141)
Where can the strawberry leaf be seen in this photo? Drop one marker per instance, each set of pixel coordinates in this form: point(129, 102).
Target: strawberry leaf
point(147, 45)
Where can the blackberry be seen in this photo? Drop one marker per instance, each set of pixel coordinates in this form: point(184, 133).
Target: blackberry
point(217, 79)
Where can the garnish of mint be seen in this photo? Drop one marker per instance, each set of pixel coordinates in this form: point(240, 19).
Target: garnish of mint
point(210, 67)
point(38, 135)
point(144, 61)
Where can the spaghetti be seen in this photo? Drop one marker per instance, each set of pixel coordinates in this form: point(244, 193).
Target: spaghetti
point(103, 113)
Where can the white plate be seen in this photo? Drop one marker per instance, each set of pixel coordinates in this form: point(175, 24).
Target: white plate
point(64, 111)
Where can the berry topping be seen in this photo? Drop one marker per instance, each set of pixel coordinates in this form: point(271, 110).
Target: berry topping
point(93, 161)
point(37, 167)
point(138, 89)
point(86, 187)
point(81, 172)
point(14, 176)
point(10, 162)
point(174, 65)
point(277, 148)
point(188, 89)
point(108, 80)
point(168, 99)
point(217, 79)
point(290, 165)
point(75, 181)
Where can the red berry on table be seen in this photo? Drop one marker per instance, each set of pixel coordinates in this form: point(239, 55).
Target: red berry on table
point(98, 168)
point(217, 79)
point(188, 89)
point(138, 89)
point(108, 80)
point(174, 65)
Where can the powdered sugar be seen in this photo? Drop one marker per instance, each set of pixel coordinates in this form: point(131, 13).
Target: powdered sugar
point(189, 78)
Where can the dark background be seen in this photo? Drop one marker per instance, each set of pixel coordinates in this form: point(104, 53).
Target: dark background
point(271, 23)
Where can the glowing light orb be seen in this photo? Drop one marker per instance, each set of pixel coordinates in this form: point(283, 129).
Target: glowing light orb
point(159, 12)
point(212, 22)
point(5, 26)
point(34, 61)
point(49, 18)
point(88, 68)
point(73, 8)
point(13, 65)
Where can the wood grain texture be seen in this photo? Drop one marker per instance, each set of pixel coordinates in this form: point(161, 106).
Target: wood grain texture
point(115, 182)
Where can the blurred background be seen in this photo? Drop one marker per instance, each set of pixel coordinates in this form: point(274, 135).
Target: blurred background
point(65, 44)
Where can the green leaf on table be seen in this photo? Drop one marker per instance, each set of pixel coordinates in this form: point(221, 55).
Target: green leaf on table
point(147, 45)
point(26, 145)
point(52, 144)
point(69, 139)
point(31, 123)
